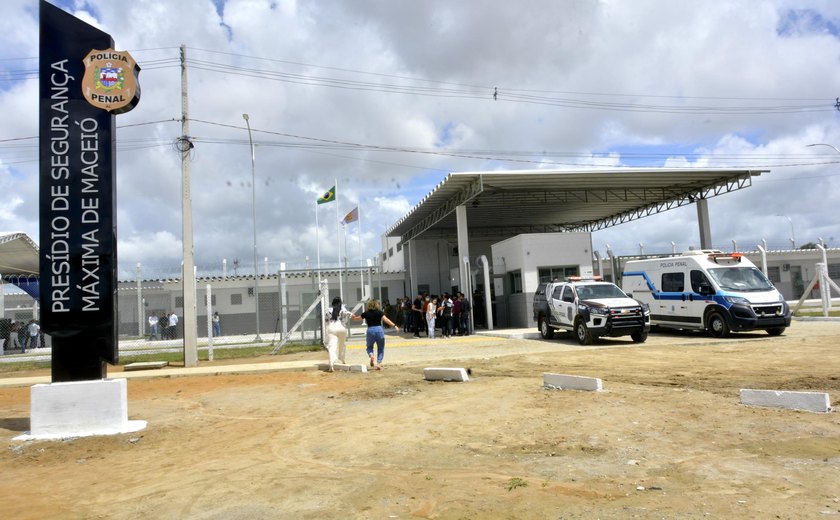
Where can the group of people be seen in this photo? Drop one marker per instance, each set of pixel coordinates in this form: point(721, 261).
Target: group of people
point(24, 335)
point(163, 327)
point(427, 313)
point(450, 313)
point(336, 320)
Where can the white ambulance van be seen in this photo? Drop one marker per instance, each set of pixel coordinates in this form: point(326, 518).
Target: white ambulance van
point(707, 290)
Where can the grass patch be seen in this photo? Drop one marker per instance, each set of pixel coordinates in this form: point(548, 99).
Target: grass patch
point(817, 312)
point(516, 482)
point(219, 353)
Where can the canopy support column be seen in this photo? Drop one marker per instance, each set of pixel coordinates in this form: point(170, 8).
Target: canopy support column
point(463, 246)
point(703, 221)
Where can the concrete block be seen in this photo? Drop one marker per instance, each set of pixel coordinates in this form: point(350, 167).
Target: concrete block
point(79, 409)
point(145, 365)
point(566, 382)
point(324, 367)
point(446, 374)
point(808, 401)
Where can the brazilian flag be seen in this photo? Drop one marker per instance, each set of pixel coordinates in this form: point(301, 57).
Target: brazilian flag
point(329, 196)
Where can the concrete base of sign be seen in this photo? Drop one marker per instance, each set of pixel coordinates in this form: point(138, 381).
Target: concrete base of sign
point(445, 374)
point(338, 367)
point(80, 409)
point(808, 401)
point(564, 382)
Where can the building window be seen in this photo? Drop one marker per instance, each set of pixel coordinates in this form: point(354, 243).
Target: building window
point(515, 281)
point(384, 256)
point(179, 302)
point(834, 271)
point(673, 282)
point(774, 274)
point(560, 273)
point(399, 247)
point(390, 252)
point(236, 299)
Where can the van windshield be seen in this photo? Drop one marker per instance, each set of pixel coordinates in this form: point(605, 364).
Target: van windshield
point(741, 279)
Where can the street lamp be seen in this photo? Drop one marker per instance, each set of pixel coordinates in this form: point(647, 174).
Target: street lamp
point(792, 234)
point(254, 208)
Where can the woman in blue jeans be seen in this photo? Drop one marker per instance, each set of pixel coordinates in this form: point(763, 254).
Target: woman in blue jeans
point(374, 317)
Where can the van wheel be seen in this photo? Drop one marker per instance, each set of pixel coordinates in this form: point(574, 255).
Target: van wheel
point(718, 326)
point(583, 335)
point(546, 332)
point(639, 337)
point(776, 331)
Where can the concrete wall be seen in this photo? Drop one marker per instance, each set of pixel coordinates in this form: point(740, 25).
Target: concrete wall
point(528, 253)
point(434, 264)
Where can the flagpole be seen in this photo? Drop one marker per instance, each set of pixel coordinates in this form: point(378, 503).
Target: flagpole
point(317, 245)
point(338, 229)
point(344, 239)
point(359, 231)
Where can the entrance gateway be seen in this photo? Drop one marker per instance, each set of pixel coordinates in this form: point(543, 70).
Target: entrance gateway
point(467, 213)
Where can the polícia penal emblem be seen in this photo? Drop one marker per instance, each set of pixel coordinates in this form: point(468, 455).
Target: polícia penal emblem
point(110, 80)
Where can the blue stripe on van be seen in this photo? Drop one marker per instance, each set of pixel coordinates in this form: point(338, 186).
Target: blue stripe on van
point(643, 275)
point(719, 298)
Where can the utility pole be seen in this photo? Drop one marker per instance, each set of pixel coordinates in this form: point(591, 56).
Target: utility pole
point(185, 146)
point(140, 313)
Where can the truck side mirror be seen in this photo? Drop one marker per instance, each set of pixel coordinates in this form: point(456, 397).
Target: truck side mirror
point(706, 289)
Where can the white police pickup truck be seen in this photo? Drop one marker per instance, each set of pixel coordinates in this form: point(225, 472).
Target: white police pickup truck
point(590, 308)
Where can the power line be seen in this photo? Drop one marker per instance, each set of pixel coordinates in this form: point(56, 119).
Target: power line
point(485, 155)
point(408, 85)
point(512, 95)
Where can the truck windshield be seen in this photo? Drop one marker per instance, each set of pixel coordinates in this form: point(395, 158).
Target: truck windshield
point(741, 279)
point(588, 292)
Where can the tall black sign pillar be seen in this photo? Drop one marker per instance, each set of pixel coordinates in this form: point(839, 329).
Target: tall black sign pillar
point(78, 242)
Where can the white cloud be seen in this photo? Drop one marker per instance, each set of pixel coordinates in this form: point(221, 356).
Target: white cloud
point(331, 71)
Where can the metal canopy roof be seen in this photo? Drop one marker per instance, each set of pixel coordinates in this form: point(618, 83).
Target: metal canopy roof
point(18, 255)
point(508, 203)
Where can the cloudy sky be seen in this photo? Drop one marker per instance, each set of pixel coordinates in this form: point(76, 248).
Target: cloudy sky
point(389, 96)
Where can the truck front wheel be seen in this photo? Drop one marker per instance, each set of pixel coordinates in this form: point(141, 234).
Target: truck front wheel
point(583, 335)
point(718, 326)
point(639, 337)
point(776, 331)
point(546, 332)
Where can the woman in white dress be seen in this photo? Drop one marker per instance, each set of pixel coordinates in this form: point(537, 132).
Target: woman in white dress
point(431, 311)
point(335, 319)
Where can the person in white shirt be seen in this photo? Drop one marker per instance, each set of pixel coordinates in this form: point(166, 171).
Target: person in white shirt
point(431, 310)
point(34, 333)
point(335, 319)
point(173, 326)
point(153, 328)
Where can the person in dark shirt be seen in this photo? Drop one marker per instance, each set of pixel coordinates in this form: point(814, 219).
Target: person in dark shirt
point(406, 310)
point(465, 314)
point(417, 315)
point(374, 317)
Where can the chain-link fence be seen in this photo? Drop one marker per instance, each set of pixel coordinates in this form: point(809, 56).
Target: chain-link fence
point(150, 314)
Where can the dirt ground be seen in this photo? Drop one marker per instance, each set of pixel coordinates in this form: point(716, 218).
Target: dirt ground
point(667, 438)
